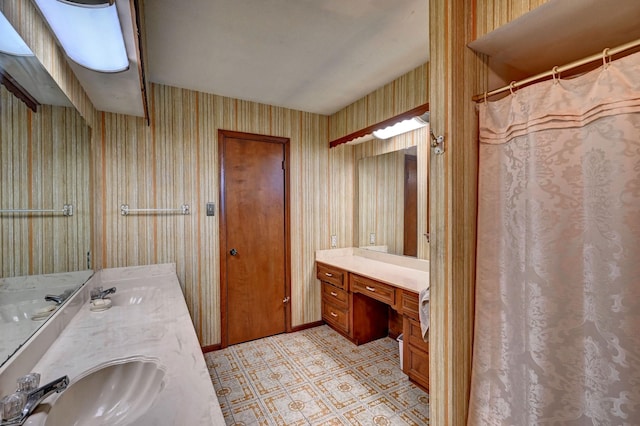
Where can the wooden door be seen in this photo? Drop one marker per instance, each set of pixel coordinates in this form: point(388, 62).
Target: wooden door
point(254, 255)
point(410, 205)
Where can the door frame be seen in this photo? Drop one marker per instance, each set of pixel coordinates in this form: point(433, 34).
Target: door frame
point(222, 136)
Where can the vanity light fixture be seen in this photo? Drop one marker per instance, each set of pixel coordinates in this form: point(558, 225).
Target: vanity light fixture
point(10, 41)
point(90, 34)
point(402, 127)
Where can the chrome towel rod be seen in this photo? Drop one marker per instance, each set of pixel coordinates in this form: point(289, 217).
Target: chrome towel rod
point(67, 210)
point(125, 210)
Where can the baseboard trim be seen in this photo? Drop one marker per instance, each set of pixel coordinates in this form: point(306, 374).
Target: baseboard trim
point(394, 335)
point(306, 326)
point(301, 327)
point(211, 348)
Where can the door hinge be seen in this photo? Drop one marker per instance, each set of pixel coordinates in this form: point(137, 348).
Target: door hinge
point(437, 143)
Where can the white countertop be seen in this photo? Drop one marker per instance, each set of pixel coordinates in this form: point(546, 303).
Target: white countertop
point(404, 272)
point(153, 322)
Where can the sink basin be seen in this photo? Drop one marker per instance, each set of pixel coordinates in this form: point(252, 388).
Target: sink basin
point(22, 311)
point(133, 296)
point(116, 393)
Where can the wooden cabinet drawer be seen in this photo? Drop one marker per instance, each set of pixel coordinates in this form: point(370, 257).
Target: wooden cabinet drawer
point(330, 274)
point(409, 304)
point(335, 296)
point(335, 316)
point(413, 335)
point(374, 289)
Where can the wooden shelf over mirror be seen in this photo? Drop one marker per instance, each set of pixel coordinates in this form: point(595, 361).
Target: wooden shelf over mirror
point(415, 112)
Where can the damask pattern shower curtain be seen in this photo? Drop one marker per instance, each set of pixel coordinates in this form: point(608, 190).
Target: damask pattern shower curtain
point(557, 326)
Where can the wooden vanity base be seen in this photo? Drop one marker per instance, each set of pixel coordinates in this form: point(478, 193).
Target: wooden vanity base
point(362, 310)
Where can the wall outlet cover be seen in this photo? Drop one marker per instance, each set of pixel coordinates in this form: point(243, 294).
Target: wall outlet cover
point(334, 241)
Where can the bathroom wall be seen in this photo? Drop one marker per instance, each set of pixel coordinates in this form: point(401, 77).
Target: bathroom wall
point(402, 94)
point(456, 75)
point(175, 161)
point(45, 164)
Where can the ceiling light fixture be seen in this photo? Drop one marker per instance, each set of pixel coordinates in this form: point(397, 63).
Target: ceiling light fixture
point(90, 3)
point(89, 33)
point(402, 127)
point(10, 41)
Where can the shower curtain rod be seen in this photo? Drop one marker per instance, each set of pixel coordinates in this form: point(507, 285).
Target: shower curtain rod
point(557, 70)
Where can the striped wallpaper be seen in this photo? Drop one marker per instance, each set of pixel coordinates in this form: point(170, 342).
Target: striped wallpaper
point(44, 160)
point(491, 15)
point(401, 95)
point(175, 161)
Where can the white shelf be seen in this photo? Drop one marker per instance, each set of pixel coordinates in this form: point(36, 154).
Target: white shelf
point(556, 33)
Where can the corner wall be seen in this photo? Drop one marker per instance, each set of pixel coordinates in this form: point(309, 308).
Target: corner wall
point(175, 161)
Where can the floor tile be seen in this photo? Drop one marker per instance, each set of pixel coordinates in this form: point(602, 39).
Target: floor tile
point(315, 377)
point(250, 413)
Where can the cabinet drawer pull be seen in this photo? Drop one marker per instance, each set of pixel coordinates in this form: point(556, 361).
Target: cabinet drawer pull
point(333, 314)
point(370, 288)
point(328, 274)
point(334, 294)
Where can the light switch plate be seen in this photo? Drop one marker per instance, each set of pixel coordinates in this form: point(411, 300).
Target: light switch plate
point(334, 241)
point(211, 209)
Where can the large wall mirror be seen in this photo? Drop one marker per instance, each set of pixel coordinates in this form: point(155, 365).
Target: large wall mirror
point(45, 166)
point(392, 207)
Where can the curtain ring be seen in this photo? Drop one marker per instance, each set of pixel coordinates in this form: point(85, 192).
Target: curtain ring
point(605, 53)
point(512, 86)
point(555, 74)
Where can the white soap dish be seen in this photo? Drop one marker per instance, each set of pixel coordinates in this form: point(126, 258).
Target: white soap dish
point(97, 305)
point(42, 314)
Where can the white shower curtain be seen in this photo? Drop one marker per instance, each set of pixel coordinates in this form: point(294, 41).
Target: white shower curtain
point(557, 328)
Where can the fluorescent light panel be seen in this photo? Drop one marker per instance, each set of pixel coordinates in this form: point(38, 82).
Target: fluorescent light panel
point(10, 40)
point(90, 36)
point(399, 128)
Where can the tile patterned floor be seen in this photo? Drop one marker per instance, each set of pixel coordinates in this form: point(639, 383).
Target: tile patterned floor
point(315, 377)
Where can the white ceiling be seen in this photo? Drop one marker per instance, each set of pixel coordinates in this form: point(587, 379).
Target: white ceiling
point(310, 55)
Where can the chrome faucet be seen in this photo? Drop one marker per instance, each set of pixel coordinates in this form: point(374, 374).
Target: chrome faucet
point(58, 299)
point(99, 293)
point(54, 298)
point(17, 407)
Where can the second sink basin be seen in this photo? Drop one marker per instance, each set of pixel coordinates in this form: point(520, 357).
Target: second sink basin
point(115, 393)
point(133, 295)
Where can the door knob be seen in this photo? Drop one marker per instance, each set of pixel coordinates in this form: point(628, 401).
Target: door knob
point(233, 252)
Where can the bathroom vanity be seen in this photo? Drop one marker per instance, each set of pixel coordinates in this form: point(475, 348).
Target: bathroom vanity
point(362, 290)
point(141, 353)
